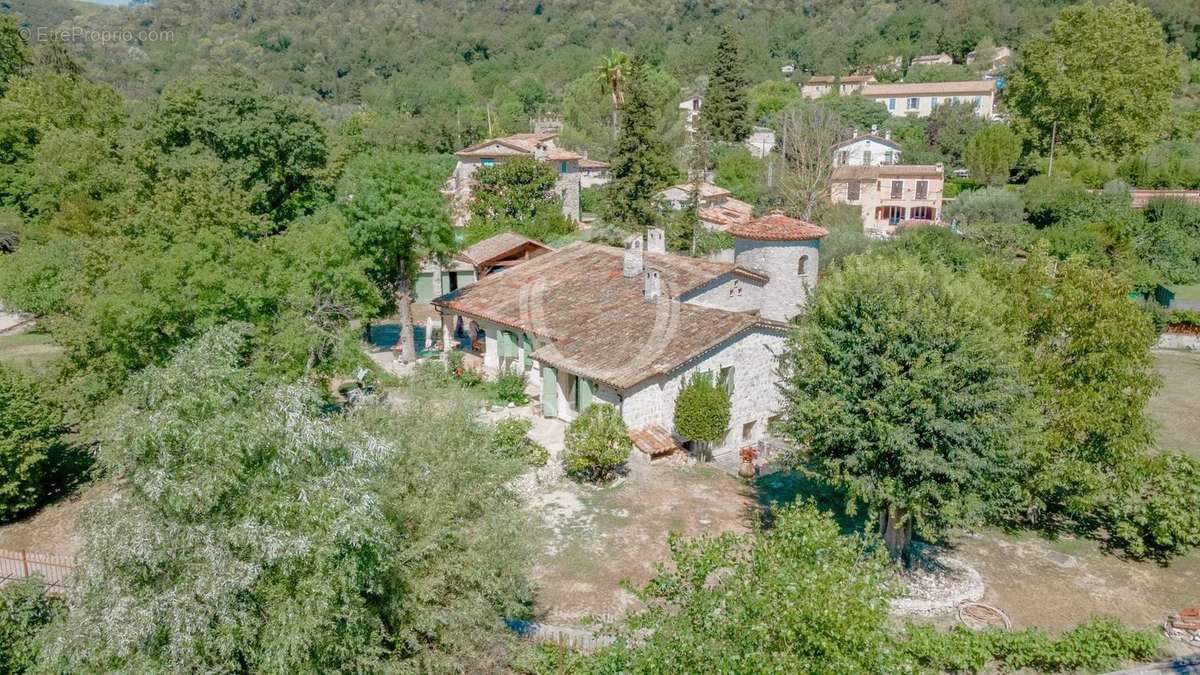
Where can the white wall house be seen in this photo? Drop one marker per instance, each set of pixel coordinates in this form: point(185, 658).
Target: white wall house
point(866, 150)
point(591, 324)
point(920, 99)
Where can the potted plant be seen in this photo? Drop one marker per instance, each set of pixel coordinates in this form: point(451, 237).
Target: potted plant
point(749, 454)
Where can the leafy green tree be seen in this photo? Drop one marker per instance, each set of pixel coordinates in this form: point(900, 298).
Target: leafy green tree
point(277, 149)
point(702, 410)
point(589, 113)
point(256, 533)
point(1168, 239)
point(991, 154)
point(1100, 79)
point(725, 114)
point(31, 428)
point(397, 219)
point(950, 127)
point(989, 205)
point(597, 443)
point(761, 602)
point(770, 97)
point(863, 112)
point(518, 195)
point(25, 610)
point(905, 389)
point(641, 165)
point(740, 172)
point(14, 52)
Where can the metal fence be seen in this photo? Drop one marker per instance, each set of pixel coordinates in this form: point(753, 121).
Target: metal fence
point(55, 570)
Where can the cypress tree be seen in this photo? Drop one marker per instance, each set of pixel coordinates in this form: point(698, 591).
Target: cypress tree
point(725, 114)
point(641, 164)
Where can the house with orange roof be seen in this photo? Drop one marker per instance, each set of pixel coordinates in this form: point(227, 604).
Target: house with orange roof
point(630, 327)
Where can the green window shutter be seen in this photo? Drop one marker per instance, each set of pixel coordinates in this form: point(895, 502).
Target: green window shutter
point(726, 379)
point(424, 288)
point(583, 394)
point(549, 392)
point(528, 342)
point(510, 344)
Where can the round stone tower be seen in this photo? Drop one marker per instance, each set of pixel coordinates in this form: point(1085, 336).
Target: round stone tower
point(785, 250)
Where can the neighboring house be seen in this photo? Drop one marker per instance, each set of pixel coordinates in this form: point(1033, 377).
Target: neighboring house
point(922, 98)
point(821, 85)
point(717, 210)
point(1140, 198)
point(866, 150)
point(691, 111)
point(891, 196)
point(1001, 57)
point(541, 146)
point(932, 60)
point(494, 254)
point(787, 68)
point(761, 142)
point(593, 173)
point(592, 324)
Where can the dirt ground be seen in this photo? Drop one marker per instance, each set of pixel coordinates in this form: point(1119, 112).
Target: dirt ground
point(52, 529)
point(595, 538)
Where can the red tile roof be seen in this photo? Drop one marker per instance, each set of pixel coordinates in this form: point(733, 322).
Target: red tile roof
point(653, 440)
point(777, 227)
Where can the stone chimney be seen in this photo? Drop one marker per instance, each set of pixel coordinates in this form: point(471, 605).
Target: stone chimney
point(633, 257)
point(656, 240)
point(653, 284)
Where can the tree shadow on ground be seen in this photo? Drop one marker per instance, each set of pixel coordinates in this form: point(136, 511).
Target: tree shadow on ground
point(784, 487)
point(67, 468)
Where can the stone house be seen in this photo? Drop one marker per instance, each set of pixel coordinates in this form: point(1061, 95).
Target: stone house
point(590, 324)
point(593, 173)
point(866, 150)
point(920, 99)
point(718, 208)
point(942, 59)
point(760, 142)
point(541, 146)
point(690, 107)
point(891, 196)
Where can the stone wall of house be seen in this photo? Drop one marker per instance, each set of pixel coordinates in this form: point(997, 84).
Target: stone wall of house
point(756, 395)
point(729, 292)
point(567, 186)
point(787, 290)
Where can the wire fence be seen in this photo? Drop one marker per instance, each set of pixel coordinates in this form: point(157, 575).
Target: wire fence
point(55, 570)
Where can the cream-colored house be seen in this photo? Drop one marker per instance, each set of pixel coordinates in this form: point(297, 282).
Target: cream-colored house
point(844, 85)
point(590, 324)
point(541, 146)
point(920, 99)
point(891, 196)
point(942, 59)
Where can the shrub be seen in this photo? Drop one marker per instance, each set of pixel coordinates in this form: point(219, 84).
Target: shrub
point(702, 410)
point(597, 443)
point(1049, 199)
point(510, 388)
point(1158, 516)
point(30, 429)
point(510, 438)
point(989, 205)
point(24, 610)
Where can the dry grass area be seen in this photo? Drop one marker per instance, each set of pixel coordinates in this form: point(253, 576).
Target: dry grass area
point(1176, 407)
point(31, 351)
point(52, 528)
point(593, 538)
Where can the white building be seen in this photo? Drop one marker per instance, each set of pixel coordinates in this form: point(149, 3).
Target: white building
point(761, 142)
point(690, 107)
point(866, 150)
point(942, 59)
point(541, 146)
point(591, 324)
point(844, 85)
point(922, 98)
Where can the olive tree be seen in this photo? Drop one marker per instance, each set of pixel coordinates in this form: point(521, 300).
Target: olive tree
point(905, 389)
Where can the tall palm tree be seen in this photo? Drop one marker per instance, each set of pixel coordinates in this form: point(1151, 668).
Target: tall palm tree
point(610, 75)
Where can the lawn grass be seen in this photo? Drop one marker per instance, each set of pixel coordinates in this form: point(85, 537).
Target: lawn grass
point(1189, 293)
point(31, 351)
point(1175, 408)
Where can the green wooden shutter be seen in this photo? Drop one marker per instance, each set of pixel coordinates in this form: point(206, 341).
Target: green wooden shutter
point(528, 343)
point(583, 394)
point(424, 288)
point(508, 344)
point(726, 379)
point(549, 392)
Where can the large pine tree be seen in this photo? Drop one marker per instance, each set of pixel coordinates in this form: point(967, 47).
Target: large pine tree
point(725, 115)
point(641, 165)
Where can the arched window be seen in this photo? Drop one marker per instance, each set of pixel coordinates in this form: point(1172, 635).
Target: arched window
point(802, 265)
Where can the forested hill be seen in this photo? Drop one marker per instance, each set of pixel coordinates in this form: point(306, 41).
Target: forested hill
point(479, 51)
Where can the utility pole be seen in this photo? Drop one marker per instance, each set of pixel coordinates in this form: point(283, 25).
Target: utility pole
point(1053, 138)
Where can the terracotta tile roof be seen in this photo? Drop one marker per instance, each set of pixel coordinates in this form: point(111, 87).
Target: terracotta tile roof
point(598, 323)
point(522, 143)
point(886, 170)
point(778, 227)
point(653, 440)
point(972, 87)
point(706, 189)
point(586, 163)
point(494, 247)
point(846, 79)
point(726, 214)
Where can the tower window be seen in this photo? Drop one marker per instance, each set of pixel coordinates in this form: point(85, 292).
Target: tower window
point(802, 265)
